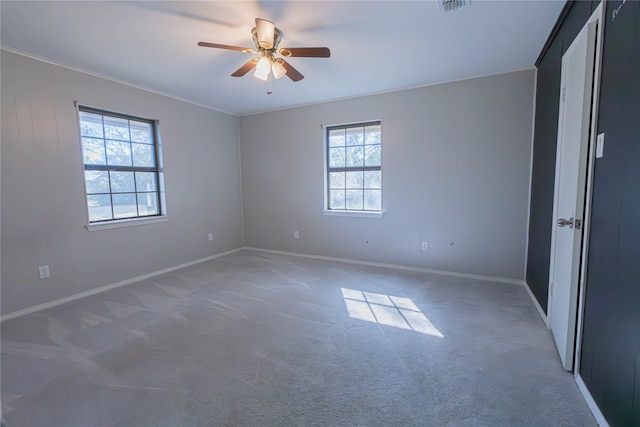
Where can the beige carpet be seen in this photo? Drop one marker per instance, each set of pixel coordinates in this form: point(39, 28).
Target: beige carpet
point(259, 339)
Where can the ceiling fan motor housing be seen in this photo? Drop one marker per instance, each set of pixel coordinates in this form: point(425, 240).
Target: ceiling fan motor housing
point(266, 35)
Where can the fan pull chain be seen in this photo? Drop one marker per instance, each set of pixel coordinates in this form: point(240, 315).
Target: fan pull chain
point(269, 92)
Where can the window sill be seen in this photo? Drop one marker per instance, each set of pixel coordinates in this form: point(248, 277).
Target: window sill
point(356, 214)
point(126, 223)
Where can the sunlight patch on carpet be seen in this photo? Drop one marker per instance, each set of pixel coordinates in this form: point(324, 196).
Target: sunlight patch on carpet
point(388, 310)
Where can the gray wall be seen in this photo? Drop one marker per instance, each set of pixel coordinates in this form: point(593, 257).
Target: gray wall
point(43, 204)
point(456, 165)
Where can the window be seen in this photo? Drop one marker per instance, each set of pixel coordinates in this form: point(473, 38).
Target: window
point(120, 166)
point(354, 173)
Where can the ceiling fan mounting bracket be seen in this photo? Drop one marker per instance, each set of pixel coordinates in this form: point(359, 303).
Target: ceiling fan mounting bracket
point(265, 46)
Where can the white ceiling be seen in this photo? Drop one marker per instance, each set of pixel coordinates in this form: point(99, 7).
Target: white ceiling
point(376, 46)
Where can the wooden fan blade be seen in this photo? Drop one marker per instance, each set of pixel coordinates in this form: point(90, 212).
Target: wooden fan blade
point(292, 73)
point(306, 52)
point(245, 68)
point(224, 46)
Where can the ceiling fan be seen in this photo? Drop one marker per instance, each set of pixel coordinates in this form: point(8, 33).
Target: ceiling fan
point(267, 40)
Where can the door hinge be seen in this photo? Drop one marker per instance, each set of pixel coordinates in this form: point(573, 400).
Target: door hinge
point(564, 92)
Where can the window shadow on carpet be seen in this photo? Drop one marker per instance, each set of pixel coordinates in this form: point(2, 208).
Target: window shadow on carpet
point(388, 310)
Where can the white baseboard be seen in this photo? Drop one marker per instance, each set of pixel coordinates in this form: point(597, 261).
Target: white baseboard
point(104, 288)
point(581, 385)
point(545, 319)
point(595, 410)
point(394, 266)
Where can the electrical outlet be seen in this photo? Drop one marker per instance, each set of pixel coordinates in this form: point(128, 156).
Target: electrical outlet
point(43, 271)
point(210, 236)
point(296, 234)
point(425, 246)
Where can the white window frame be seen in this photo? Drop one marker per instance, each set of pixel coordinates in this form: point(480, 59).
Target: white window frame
point(133, 221)
point(325, 149)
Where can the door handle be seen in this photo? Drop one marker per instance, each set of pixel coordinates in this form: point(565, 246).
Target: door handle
point(564, 222)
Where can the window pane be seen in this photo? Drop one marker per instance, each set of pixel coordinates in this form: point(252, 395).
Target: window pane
point(118, 153)
point(372, 155)
point(372, 200)
point(120, 158)
point(336, 138)
point(354, 199)
point(97, 181)
point(124, 205)
point(355, 156)
point(372, 134)
point(146, 181)
point(91, 124)
point(354, 179)
point(336, 180)
point(142, 155)
point(99, 207)
point(93, 151)
point(355, 136)
point(122, 182)
point(148, 204)
point(336, 157)
point(372, 179)
point(141, 132)
point(336, 199)
point(116, 128)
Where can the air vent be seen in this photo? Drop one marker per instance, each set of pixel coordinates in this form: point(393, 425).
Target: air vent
point(451, 5)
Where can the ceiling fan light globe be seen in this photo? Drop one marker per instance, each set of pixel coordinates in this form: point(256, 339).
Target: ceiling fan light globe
point(278, 70)
point(262, 69)
point(265, 33)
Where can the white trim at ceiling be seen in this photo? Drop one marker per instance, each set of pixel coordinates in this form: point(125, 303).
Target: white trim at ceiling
point(383, 92)
point(102, 76)
point(199, 104)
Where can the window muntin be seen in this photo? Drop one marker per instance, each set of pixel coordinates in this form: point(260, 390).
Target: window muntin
point(120, 166)
point(354, 172)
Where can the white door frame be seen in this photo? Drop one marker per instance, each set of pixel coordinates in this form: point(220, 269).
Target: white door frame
point(586, 174)
point(599, 17)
